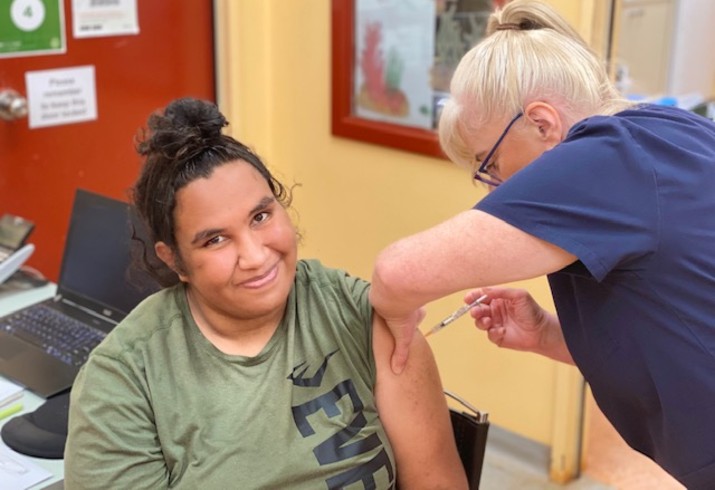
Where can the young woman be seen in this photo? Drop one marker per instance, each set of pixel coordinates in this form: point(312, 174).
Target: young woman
point(255, 369)
point(613, 201)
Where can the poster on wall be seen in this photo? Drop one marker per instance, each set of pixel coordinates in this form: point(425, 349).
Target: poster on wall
point(31, 27)
point(61, 96)
point(96, 18)
point(394, 52)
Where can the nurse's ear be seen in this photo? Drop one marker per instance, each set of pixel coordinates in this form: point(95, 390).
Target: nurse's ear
point(167, 255)
point(547, 121)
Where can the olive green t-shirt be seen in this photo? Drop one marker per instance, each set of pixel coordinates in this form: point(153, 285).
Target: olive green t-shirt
point(158, 406)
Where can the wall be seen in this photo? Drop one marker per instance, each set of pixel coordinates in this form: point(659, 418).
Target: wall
point(355, 198)
point(40, 168)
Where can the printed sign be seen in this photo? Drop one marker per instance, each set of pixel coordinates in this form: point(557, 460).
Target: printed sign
point(62, 96)
point(31, 27)
point(94, 18)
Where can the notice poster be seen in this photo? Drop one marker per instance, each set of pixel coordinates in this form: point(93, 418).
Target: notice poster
point(62, 96)
point(31, 27)
point(95, 18)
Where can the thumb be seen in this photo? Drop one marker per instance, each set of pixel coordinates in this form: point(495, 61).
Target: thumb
point(399, 355)
point(403, 331)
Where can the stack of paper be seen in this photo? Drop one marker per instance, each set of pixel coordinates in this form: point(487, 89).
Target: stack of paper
point(9, 392)
point(19, 472)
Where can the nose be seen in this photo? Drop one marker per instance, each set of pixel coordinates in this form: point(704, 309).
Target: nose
point(252, 252)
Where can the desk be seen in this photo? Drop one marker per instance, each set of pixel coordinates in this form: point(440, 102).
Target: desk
point(11, 299)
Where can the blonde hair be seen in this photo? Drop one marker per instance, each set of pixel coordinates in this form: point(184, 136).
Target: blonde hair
point(529, 53)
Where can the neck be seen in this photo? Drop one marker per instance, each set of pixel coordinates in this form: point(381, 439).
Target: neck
point(232, 334)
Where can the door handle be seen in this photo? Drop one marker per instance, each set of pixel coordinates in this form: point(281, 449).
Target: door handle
point(12, 105)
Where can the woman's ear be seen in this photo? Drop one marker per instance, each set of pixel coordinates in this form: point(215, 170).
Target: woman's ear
point(547, 120)
point(166, 255)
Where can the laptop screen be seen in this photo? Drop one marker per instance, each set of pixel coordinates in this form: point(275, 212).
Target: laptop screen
point(97, 267)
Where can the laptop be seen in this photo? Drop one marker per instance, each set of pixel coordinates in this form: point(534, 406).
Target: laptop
point(43, 345)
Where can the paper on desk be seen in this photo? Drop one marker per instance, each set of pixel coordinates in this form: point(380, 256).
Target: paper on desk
point(18, 472)
point(9, 392)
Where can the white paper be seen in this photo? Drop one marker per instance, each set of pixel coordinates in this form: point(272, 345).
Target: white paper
point(62, 96)
point(9, 392)
point(18, 472)
point(94, 18)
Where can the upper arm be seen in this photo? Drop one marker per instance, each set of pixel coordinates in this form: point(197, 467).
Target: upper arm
point(413, 410)
point(112, 439)
point(472, 249)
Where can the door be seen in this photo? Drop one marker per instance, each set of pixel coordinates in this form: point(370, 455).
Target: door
point(134, 74)
point(644, 45)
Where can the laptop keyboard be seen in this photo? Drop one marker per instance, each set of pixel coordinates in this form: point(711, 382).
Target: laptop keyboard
point(59, 335)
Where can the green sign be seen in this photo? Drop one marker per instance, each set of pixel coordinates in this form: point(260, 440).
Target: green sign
point(31, 27)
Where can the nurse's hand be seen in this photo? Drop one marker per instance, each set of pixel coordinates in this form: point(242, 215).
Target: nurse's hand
point(513, 320)
point(403, 330)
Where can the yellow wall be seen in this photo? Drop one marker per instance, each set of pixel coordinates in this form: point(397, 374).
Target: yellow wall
point(355, 198)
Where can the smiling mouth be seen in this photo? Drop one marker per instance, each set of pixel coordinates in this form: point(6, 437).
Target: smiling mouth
point(262, 280)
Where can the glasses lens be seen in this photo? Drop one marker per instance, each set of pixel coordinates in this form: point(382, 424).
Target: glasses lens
point(481, 174)
point(487, 179)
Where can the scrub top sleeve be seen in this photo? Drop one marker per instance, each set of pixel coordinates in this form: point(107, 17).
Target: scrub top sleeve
point(594, 195)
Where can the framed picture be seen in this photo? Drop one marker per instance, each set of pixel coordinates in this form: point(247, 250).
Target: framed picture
point(392, 61)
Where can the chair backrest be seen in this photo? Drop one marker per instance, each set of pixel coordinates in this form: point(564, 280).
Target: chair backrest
point(470, 433)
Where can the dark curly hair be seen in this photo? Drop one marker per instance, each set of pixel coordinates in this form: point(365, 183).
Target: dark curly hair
point(184, 142)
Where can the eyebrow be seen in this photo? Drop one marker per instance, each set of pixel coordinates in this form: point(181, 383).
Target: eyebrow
point(263, 204)
point(204, 234)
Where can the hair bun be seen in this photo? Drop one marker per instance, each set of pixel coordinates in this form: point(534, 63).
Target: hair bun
point(197, 116)
point(187, 127)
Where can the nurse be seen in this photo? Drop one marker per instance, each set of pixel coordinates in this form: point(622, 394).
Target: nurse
point(613, 202)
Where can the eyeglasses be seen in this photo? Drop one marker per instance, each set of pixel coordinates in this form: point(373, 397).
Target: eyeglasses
point(482, 174)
